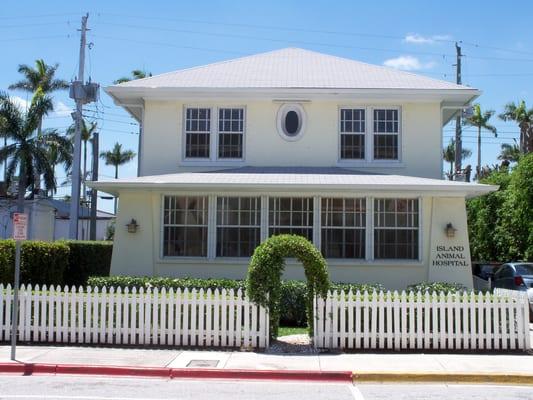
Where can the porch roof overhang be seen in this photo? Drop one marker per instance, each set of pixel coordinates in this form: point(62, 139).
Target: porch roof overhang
point(306, 180)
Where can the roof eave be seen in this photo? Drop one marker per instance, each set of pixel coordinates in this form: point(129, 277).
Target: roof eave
point(435, 190)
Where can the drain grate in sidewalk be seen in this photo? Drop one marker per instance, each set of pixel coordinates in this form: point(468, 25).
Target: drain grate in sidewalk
point(202, 364)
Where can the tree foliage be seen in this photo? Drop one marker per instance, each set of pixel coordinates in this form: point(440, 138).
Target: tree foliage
point(263, 282)
point(501, 223)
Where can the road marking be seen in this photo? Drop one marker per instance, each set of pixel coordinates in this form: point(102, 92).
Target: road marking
point(40, 396)
point(356, 393)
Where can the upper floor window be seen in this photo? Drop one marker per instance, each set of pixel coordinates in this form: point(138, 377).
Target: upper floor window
point(185, 226)
point(386, 132)
point(291, 215)
point(230, 132)
point(353, 127)
point(198, 132)
point(396, 229)
point(238, 226)
point(291, 121)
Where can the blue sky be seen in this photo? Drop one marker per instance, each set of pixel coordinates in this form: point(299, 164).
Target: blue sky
point(161, 36)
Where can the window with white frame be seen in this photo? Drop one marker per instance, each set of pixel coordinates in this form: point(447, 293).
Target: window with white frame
point(386, 133)
point(230, 132)
point(291, 215)
point(396, 229)
point(343, 227)
point(238, 226)
point(185, 226)
point(352, 132)
point(197, 132)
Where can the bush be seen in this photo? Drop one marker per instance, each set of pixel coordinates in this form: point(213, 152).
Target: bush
point(42, 263)
point(263, 281)
point(87, 258)
point(438, 287)
point(55, 263)
point(292, 303)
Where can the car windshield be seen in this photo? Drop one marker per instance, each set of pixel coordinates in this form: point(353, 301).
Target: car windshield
point(524, 269)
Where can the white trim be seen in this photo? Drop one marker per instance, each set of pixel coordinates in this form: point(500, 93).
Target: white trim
point(219, 160)
point(302, 121)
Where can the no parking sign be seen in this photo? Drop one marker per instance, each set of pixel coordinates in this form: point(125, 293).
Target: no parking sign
point(20, 226)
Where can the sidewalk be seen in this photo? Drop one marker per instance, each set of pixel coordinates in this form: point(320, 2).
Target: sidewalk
point(364, 366)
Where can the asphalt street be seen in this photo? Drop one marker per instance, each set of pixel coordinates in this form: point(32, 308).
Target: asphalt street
point(102, 388)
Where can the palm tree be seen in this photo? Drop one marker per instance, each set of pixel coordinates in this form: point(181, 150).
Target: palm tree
point(27, 151)
point(42, 77)
point(448, 154)
point(87, 131)
point(480, 120)
point(135, 74)
point(60, 153)
point(117, 157)
point(510, 153)
point(524, 118)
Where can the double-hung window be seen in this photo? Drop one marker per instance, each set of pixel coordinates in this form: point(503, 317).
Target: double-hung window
point(230, 132)
point(352, 131)
point(197, 132)
point(343, 227)
point(396, 229)
point(386, 133)
point(238, 226)
point(185, 226)
point(291, 215)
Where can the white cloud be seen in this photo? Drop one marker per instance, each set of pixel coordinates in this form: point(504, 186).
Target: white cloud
point(416, 38)
point(20, 102)
point(61, 109)
point(408, 63)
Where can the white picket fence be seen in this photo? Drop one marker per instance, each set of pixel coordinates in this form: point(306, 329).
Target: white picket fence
point(198, 318)
point(397, 321)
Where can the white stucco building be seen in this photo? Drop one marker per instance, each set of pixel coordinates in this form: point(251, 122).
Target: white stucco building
point(344, 153)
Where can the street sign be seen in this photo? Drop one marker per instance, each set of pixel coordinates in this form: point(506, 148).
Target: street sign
point(20, 226)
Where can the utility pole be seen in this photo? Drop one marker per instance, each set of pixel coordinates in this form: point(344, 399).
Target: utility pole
point(458, 132)
point(94, 192)
point(75, 194)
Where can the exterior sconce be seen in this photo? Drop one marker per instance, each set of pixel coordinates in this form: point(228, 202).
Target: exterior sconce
point(132, 226)
point(450, 230)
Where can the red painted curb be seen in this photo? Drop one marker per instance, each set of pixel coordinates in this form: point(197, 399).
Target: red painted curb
point(337, 376)
point(159, 372)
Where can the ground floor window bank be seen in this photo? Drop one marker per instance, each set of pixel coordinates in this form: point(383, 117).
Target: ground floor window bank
point(392, 230)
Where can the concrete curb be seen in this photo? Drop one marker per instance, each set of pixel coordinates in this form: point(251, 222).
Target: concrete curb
point(455, 377)
point(297, 375)
point(161, 372)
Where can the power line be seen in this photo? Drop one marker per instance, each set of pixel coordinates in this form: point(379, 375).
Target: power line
point(248, 37)
point(68, 36)
point(39, 16)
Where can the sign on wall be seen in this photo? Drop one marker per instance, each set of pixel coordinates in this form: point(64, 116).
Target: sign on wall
point(20, 226)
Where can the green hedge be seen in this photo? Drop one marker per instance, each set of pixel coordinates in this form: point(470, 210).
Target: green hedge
point(437, 287)
point(55, 263)
point(292, 303)
point(87, 258)
point(40, 263)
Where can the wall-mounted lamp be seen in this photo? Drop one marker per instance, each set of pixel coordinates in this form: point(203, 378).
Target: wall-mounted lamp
point(450, 230)
point(132, 226)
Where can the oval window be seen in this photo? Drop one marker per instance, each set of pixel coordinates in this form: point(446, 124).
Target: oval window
point(291, 121)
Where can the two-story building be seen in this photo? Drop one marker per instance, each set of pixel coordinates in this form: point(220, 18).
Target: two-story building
point(345, 153)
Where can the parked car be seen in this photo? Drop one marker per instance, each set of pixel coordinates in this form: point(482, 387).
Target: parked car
point(515, 276)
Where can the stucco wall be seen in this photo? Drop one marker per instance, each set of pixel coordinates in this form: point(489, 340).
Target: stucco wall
point(139, 253)
point(162, 147)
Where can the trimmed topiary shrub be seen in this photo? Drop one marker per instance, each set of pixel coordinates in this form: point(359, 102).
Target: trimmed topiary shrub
point(263, 282)
point(42, 263)
point(87, 258)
